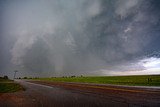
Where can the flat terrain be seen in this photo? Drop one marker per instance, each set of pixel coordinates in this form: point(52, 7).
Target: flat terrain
point(140, 80)
point(7, 85)
point(62, 94)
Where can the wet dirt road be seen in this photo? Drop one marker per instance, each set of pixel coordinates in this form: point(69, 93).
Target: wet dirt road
point(47, 94)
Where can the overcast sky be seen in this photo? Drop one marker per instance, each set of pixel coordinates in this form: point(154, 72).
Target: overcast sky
point(79, 37)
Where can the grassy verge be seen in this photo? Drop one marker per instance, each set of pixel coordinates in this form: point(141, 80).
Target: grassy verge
point(9, 86)
point(5, 80)
point(142, 80)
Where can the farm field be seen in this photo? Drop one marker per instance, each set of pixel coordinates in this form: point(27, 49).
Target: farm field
point(140, 80)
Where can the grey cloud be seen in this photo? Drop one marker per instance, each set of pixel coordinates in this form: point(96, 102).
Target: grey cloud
point(59, 37)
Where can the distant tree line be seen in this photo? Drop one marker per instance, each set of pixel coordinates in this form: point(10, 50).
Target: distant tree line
point(27, 78)
point(72, 76)
point(5, 77)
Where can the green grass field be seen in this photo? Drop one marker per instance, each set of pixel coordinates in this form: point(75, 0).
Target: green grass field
point(142, 80)
point(9, 86)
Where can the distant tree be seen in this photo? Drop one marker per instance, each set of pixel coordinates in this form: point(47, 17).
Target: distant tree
point(5, 77)
point(24, 77)
point(73, 76)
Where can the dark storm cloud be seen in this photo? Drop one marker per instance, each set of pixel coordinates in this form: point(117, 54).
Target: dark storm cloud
point(59, 37)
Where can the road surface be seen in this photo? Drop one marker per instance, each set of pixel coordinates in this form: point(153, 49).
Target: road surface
point(42, 94)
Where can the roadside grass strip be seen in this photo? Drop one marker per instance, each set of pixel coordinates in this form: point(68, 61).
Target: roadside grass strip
point(7, 87)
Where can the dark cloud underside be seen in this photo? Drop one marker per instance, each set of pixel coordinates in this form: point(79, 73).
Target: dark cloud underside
point(59, 37)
